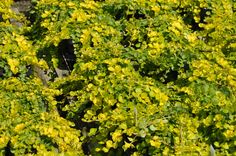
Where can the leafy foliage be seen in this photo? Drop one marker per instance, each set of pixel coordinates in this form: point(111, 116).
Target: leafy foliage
point(29, 119)
point(151, 77)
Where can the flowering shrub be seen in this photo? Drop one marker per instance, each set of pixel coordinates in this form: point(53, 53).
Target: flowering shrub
point(151, 77)
point(29, 119)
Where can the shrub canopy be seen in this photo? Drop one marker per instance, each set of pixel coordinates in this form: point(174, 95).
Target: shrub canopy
point(151, 77)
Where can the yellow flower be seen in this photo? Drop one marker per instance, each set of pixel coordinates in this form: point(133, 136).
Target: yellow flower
point(156, 8)
point(177, 25)
point(135, 154)
point(85, 36)
point(229, 133)
point(166, 151)
point(19, 127)
point(43, 64)
point(109, 144)
point(187, 90)
point(102, 117)
point(13, 63)
point(218, 117)
point(89, 5)
point(117, 136)
point(105, 149)
point(71, 4)
point(152, 34)
point(222, 62)
point(191, 38)
point(80, 16)
point(127, 146)
point(3, 141)
point(155, 142)
point(45, 14)
point(207, 121)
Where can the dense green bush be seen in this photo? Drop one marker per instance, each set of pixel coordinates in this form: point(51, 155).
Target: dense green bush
point(30, 122)
point(151, 77)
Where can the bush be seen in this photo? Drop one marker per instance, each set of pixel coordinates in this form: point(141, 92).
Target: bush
point(148, 78)
point(30, 122)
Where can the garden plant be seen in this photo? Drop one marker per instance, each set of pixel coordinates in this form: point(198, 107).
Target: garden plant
point(118, 77)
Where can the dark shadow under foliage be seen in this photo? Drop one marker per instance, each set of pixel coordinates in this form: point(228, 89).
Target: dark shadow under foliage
point(66, 55)
point(188, 17)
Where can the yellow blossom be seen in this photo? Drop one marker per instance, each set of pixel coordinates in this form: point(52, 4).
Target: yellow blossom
point(191, 38)
point(127, 146)
point(156, 9)
point(13, 63)
point(19, 127)
point(177, 25)
point(109, 144)
point(155, 142)
point(117, 136)
point(3, 141)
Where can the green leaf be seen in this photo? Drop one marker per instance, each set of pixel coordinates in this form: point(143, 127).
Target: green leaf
point(152, 128)
point(92, 131)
